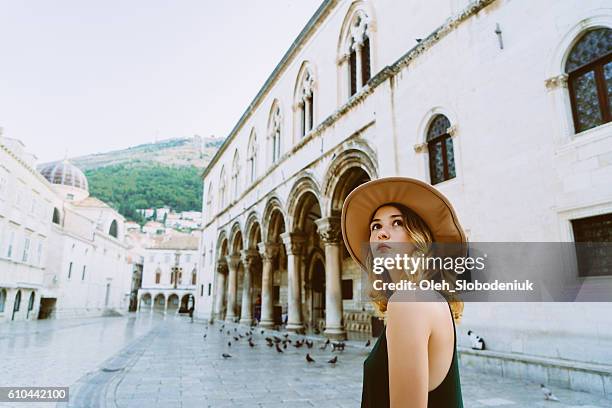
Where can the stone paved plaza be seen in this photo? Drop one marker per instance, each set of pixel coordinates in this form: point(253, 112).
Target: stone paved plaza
point(152, 361)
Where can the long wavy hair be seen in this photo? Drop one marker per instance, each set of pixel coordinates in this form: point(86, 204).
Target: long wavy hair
point(422, 239)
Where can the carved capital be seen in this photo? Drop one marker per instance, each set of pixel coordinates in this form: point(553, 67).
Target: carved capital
point(268, 250)
point(559, 81)
point(452, 130)
point(232, 261)
point(420, 148)
point(249, 257)
point(294, 242)
point(222, 267)
point(329, 230)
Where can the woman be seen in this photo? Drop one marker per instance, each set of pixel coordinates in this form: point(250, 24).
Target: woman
point(414, 362)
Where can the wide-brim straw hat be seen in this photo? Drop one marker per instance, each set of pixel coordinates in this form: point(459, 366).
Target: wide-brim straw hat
point(426, 201)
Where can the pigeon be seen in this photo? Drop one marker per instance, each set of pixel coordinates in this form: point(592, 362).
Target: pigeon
point(316, 331)
point(229, 344)
point(338, 346)
point(278, 348)
point(477, 342)
point(251, 343)
point(548, 395)
point(262, 332)
point(204, 335)
point(277, 339)
point(285, 346)
point(309, 343)
point(367, 343)
point(324, 346)
point(235, 329)
point(240, 335)
point(236, 338)
point(298, 344)
point(286, 335)
point(228, 332)
point(333, 360)
point(419, 40)
point(309, 359)
point(225, 355)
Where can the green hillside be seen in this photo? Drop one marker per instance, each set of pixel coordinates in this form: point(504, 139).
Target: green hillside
point(127, 188)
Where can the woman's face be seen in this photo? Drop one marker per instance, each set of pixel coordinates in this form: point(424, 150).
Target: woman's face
point(387, 227)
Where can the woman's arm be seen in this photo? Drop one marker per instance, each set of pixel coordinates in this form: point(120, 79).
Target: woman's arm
point(408, 331)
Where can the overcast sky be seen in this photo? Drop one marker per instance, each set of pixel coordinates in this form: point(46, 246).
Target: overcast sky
point(98, 75)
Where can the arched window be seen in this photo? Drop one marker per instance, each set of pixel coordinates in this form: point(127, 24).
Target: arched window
point(589, 70)
point(112, 231)
point(209, 201)
point(2, 299)
point(252, 156)
point(274, 131)
point(305, 98)
point(193, 276)
point(359, 52)
point(56, 216)
point(158, 275)
point(222, 188)
point(235, 175)
point(440, 147)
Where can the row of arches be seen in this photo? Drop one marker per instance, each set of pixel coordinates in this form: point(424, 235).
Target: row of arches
point(166, 302)
point(354, 66)
point(288, 263)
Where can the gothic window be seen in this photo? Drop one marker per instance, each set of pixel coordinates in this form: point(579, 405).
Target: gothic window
point(274, 131)
point(305, 101)
point(158, 276)
point(70, 270)
point(193, 276)
point(589, 70)
point(440, 148)
point(222, 188)
point(252, 157)
point(235, 175)
point(357, 52)
point(209, 201)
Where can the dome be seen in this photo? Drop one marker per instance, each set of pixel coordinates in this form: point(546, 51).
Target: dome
point(66, 174)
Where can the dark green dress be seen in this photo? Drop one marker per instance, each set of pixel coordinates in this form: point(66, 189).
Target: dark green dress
point(375, 393)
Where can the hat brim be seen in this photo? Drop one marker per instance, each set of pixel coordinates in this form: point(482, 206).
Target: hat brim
point(426, 201)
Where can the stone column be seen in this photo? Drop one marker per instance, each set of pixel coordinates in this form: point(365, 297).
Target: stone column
point(294, 243)
point(358, 66)
point(249, 258)
point(232, 282)
point(220, 294)
point(165, 304)
point(138, 300)
point(330, 233)
point(268, 252)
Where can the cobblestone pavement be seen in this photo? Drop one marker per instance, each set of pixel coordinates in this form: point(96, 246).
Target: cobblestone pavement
point(152, 362)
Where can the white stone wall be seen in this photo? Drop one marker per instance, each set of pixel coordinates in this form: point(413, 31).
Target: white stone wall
point(26, 207)
point(522, 174)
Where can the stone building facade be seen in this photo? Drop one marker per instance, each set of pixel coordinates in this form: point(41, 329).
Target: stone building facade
point(62, 252)
point(169, 274)
point(503, 105)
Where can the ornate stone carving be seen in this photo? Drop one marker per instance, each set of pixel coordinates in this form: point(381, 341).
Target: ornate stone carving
point(249, 258)
point(268, 250)
point(559, 81)
point(222, 268)
point(294, 242)
point(359, 29)
point(329, 230)
point(233, 261)
point(420, 148)
point(452, 130)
